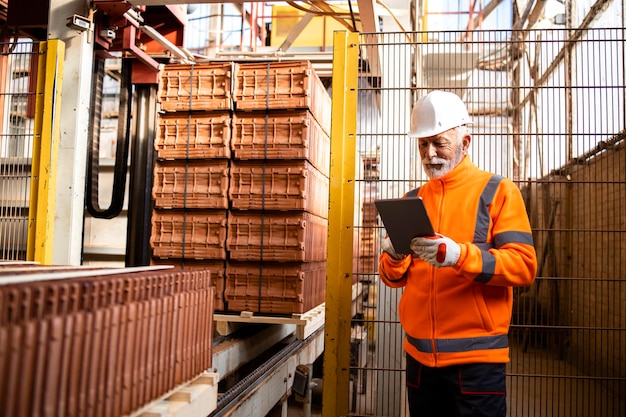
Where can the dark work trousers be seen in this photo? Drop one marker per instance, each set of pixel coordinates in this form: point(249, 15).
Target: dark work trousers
point(456, 391)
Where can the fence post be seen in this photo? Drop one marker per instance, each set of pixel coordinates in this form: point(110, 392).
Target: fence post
point(340, 225)
point(45, 152)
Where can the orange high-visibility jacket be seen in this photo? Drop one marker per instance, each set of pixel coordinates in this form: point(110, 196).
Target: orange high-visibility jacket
point(461, 314)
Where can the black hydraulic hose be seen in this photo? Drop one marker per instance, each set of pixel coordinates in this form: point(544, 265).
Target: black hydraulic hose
point(122, 146)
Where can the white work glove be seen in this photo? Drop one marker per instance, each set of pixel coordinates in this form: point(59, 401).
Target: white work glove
point(387, 247)
point(436, 250)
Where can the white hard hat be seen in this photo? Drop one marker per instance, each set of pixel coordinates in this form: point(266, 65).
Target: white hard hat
point(437, 112)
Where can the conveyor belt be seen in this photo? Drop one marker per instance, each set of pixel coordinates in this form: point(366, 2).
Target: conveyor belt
point(243, 387)
point(288, 357)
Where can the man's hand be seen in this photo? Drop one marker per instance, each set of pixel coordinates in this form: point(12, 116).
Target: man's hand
point(387, 247)
point(436, 250)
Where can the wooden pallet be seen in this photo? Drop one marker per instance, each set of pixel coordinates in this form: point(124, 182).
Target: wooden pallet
point(196, 398)
point(306, 323)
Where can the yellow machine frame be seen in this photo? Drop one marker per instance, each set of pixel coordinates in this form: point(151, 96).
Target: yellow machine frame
point(340, 221)
point(45, 152)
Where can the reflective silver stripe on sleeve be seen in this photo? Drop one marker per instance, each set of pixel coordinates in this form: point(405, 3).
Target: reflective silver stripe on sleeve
point(489, 267)
point(482, 229)
point(484, 246)
point(482, 214)
point(502, 239)
point(489, 261)
point(460, 345)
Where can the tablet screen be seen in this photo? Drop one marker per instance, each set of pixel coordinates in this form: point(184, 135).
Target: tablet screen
point(404, 219)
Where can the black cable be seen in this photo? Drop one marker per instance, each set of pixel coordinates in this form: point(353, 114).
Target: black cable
point(122, 146)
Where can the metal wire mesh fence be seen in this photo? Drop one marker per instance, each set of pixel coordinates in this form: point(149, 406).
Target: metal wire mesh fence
point(18, 66)
point(548, 112)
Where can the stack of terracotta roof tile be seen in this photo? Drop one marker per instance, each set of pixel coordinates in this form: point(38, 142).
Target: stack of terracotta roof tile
point(259, 208)
point(98, 343)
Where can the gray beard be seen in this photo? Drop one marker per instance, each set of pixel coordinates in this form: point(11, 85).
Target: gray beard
point(446, 165)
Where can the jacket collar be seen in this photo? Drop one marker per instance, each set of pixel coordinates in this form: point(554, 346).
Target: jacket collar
point(456, 177)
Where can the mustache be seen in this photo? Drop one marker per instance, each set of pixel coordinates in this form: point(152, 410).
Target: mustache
point(435, 161)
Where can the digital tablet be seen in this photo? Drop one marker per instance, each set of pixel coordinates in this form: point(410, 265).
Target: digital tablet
point(404, 219)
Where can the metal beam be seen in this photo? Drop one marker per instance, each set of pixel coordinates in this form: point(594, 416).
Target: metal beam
point(323, 6)
point(231, 354)
point(248, 18)
point(75, 109)
point(275, 386)
point(474, 23)
point(369, 23)
point(296, 31)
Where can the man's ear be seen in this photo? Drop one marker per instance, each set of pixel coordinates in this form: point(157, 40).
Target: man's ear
point(467, 139)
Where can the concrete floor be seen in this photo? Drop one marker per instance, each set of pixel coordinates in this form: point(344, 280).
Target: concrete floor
point(296, 410)
point(545, 385)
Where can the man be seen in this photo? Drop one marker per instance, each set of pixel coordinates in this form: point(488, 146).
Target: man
point(457, 300)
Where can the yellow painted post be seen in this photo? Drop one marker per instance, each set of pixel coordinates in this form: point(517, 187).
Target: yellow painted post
point(424, 17)
point(340, 225)
point(45, 152)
